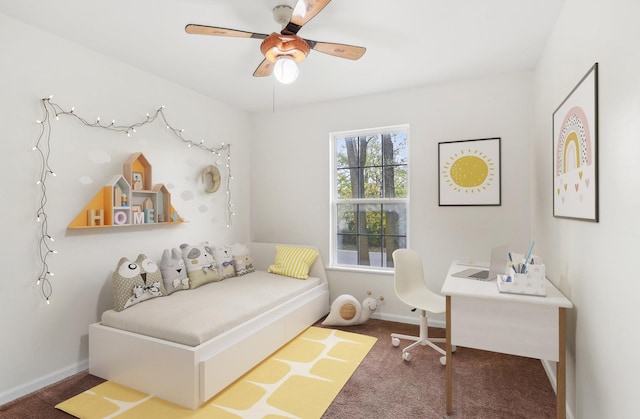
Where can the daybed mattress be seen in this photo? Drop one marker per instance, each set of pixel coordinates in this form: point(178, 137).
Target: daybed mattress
point(191, 317)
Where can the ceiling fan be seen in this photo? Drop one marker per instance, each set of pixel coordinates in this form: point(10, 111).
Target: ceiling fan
point(283, 50)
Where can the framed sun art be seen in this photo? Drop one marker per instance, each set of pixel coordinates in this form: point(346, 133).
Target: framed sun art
point(469, 172)
point(575, 151)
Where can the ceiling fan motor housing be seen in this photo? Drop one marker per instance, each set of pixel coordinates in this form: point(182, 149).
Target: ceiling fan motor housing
point(277, 45)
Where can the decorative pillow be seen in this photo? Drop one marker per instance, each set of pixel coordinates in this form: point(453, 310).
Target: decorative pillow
point(293, 261)
point(135, 282)
point(174, 272)
point(201, 266)
point(225, 261)
point(242, 258)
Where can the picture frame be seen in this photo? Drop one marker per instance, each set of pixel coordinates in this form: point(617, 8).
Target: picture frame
point(575, 152)
point(469, 172)
point(137, 181)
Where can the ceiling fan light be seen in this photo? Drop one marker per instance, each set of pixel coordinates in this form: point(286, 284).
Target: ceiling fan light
point(285, 70)
point(277, 45)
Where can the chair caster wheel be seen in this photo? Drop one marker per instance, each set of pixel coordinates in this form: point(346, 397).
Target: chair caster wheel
point(443, 360)
point(395, 341)
point(406, 356)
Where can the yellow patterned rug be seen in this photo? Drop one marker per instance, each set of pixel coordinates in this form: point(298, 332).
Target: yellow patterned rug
point(298, 381)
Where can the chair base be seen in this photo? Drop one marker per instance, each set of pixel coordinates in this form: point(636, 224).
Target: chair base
point(422, 340)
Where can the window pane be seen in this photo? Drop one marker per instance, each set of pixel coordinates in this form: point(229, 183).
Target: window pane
point(344, 184)
point(372, 182)
point(346, 218)
point(373, 151)
point(342, 159)
point(394, 180)
point(369, 251)
point(399, 183)
point(370, 219)
point(399, 143)
point(347, 254)
point(395, 219)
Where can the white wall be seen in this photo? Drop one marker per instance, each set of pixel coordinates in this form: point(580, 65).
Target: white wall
point(290, 174)
point(41, 343)
point(589, 260)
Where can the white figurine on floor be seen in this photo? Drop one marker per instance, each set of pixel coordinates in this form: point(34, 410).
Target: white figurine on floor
point(347, 311)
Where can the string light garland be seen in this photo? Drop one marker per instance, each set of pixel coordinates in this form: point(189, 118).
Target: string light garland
point(43, 149)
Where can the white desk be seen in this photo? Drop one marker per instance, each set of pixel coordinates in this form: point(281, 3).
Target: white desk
point(481, 317)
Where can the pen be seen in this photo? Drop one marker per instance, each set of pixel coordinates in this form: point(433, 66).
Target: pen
point(526, 260)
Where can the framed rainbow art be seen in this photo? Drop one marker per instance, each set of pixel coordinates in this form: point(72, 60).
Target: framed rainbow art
point(469, 172)
point(575, 151)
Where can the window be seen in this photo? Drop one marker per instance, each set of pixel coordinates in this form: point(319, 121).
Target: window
point(369, 199)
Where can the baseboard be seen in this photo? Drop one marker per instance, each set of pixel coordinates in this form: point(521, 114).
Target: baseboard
point(42, 382)
point(550, 369)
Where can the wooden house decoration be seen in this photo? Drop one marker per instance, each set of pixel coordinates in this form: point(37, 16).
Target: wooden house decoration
point(163, 208)
point(137, 171)
point(129, 199)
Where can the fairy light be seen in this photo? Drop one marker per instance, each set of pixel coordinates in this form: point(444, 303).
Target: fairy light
point(43, 149)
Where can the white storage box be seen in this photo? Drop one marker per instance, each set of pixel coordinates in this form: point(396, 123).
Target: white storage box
point(531, 283)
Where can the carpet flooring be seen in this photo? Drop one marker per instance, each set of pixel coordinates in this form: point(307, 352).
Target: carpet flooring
point(486, 385)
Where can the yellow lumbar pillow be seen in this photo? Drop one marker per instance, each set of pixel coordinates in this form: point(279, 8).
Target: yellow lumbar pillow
point(293, 261)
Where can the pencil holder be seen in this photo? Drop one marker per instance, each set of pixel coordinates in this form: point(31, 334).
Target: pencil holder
point(530, 283)
point(536, 272)
point(522, 278)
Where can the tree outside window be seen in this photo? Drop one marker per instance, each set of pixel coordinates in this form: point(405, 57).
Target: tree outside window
point(370, 178)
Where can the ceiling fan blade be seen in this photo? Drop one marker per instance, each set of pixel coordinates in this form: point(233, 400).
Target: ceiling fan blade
point(264, 69)
point(216, 31)
point(303, 12)
point(350, 52)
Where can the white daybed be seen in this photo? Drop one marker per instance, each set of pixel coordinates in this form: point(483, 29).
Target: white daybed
point(190, 368)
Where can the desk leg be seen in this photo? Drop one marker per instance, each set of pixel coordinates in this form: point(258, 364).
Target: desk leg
point(449, 367)
point(561, 377)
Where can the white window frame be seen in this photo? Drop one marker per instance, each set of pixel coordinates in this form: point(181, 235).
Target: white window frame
point(334, 201)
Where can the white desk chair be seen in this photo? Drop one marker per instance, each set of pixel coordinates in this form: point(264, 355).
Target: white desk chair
point(412, 290)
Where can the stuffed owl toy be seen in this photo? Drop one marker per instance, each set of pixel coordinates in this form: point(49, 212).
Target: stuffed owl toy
point(135, 282)
point(174, 271)
point(242, 258)
point(200, 263)
point(224, 259)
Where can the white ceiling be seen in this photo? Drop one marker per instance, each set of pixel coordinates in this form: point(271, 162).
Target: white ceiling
point(409, 42)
